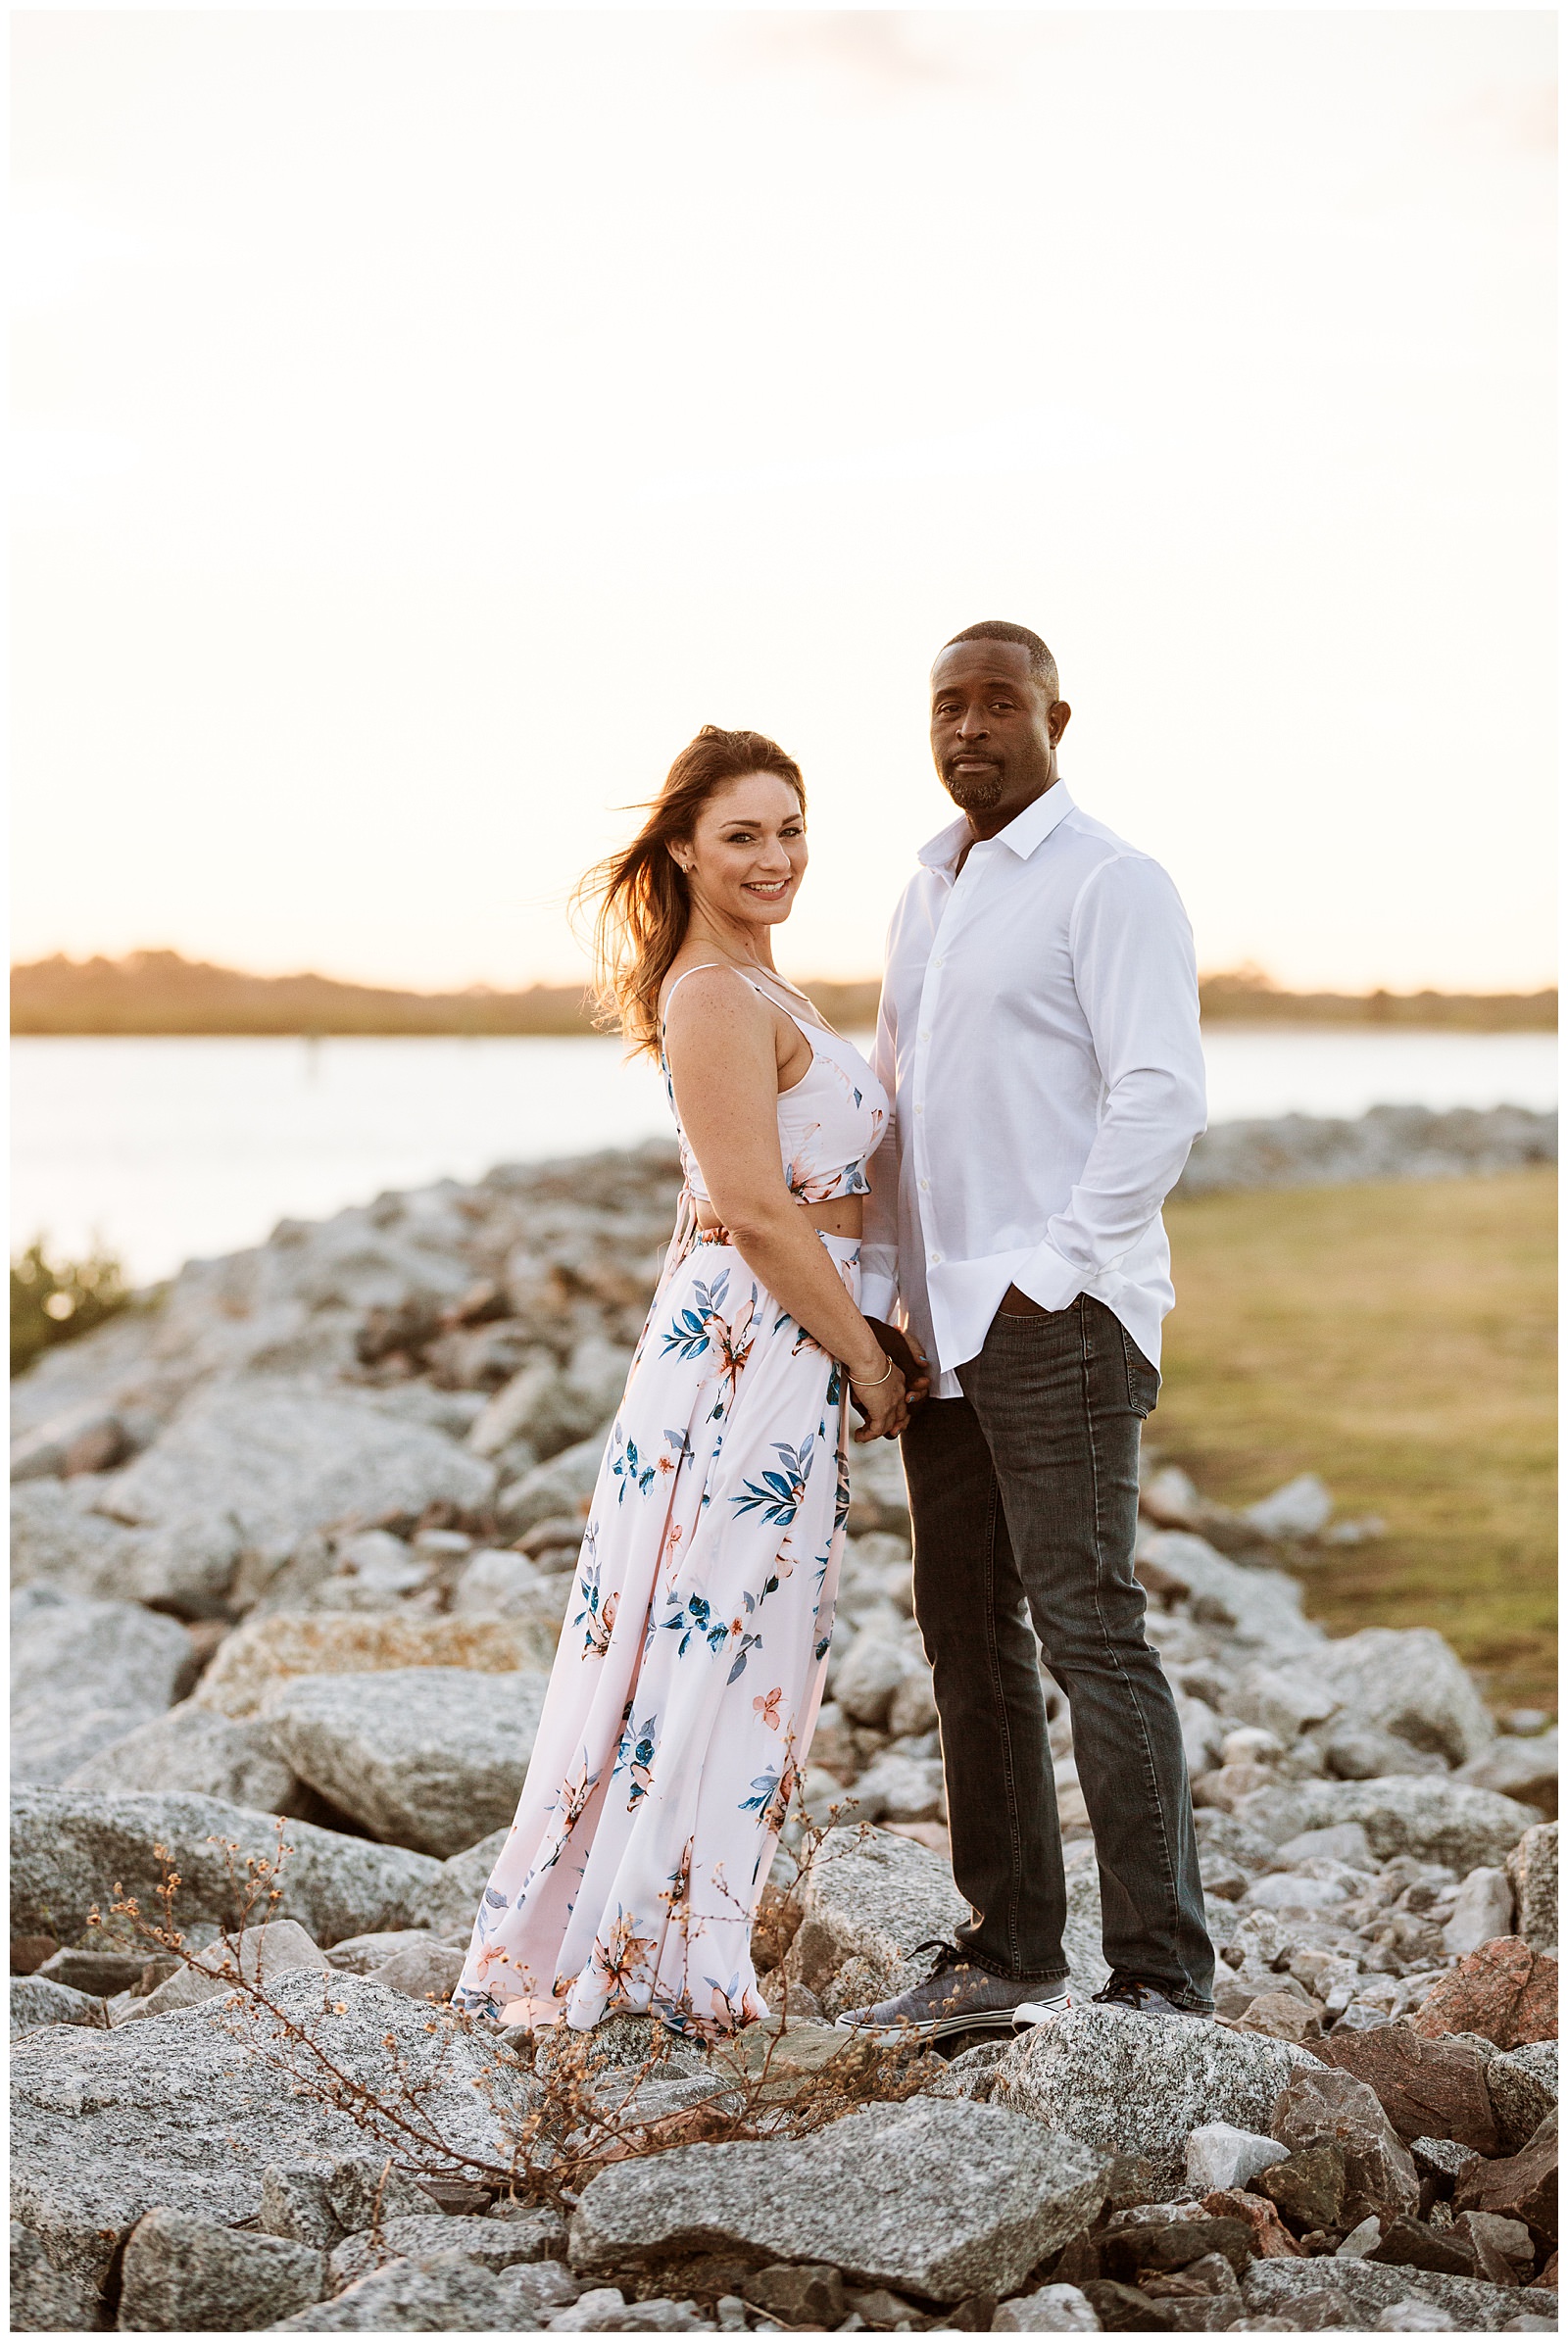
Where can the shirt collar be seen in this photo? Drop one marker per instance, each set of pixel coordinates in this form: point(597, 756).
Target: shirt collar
point(1021, 835)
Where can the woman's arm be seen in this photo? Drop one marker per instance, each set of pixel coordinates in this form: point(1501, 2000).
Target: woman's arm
point(723, 1065)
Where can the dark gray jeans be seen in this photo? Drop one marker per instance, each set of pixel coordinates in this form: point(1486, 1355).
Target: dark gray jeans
point(1025, 1495)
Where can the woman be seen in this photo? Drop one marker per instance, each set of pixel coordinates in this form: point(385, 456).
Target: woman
point(690, 1670)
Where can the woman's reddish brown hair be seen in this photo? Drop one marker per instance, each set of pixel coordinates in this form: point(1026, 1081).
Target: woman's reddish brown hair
point(644, 906)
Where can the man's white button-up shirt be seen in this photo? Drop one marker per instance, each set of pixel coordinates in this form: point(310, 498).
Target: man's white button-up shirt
point(1039, 1036)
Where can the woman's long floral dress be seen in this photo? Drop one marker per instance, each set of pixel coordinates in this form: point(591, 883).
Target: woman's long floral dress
point(689, 1674)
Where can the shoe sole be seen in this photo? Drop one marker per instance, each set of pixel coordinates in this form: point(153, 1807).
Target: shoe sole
point(1029, 2014)
point(934, 2028)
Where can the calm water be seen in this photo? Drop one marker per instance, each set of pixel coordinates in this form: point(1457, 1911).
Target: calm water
point(165, 1148)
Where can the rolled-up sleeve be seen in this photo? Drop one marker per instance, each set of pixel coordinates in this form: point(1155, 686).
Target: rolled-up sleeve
point(1136, 975)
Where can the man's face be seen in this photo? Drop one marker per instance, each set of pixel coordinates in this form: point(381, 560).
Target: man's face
point(992, 732)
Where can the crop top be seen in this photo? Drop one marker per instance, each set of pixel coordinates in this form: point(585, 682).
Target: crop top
point(830, 1122)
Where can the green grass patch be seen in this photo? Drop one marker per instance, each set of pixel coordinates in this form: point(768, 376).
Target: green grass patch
point(1401, 1341)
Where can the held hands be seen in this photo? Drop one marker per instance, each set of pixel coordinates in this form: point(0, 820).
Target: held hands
point(878, 1396)
point(885, 1392)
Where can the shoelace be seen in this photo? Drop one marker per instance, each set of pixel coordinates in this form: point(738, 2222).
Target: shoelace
point(948, 1955)
point(1127, 1990)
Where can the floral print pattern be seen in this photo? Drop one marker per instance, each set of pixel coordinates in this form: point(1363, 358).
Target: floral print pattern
point(686, 1685)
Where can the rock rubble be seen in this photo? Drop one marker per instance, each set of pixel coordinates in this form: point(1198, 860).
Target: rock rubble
point(292, 1544)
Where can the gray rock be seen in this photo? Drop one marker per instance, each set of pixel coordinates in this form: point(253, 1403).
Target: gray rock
point(942, 2197)
point(38, 2000)
point(879, 1497)
point(507, 1413)
point(1291, 1151)
point(272, 1648)
point(1276, 2286)
point(868, 1674)
point(189, 2110)
point(1346, 1842)
point(1351, 1752)
point(1262, 1608)
point(1133, 2085)
point(605, 2311)
point(425, 1971)
point(68, 1847)
point(1484, 1910)
point(564, 1485)
point(1301, 1508)
point(1413, 2316)
point(1219, 2155)
point(870, 1902)
point(88, 1439)
point(98, 1973)
point(260, 1954)
point(454, 1896)
point(1082, 1929)
point(1052, 2309)
point(494, 2244)
point(1526, 1769)
point(58, 1539)
point(1522, 2085)
point(363, 1955)
point(322, 2201)
point(1201, 1733)
point(185, 2275)
point(83, 1674)
point(901, 1789)
point(1380, 2176)
point(1408, 1681)
point(444, 2293)
point(1435, 1819)
point(43, 2300)
point(423, 1756)
point(1532, 1866)
point(1284, 1700)
point(277, 1459)
point(194, 1748)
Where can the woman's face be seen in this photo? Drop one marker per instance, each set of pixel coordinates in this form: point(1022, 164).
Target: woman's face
point(747, 855)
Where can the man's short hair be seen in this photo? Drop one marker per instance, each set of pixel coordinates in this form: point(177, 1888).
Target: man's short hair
point(1042, 665)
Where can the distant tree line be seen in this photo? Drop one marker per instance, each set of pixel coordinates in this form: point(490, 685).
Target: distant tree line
point(159, 991)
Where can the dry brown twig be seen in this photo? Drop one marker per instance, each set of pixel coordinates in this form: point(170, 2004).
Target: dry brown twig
point(570, 2124)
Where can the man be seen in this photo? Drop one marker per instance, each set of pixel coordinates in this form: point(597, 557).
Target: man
point(1039, 1034)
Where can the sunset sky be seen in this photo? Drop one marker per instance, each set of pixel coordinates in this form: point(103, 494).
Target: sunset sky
point(426, 420)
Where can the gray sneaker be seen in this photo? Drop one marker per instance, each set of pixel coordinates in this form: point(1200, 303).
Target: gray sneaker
point(956, 1997)
point(1133, 1993)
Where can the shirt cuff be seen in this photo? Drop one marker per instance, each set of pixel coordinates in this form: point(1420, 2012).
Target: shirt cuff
point(1048, 1277)
point(877, 1295)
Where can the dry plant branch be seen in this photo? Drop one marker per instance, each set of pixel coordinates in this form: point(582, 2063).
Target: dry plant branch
point(573, 2108)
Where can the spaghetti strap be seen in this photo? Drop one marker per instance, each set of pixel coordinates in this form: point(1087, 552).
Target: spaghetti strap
point(681, 978)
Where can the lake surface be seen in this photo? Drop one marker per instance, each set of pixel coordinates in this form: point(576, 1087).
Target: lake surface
point(163, 1149)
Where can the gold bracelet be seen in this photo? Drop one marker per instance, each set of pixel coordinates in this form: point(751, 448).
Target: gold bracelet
point(860, 1382)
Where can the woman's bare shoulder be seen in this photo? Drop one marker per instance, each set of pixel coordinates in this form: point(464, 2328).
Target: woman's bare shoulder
point(705, 992)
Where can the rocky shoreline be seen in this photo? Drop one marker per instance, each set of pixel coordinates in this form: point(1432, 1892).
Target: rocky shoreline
point(292, 1546)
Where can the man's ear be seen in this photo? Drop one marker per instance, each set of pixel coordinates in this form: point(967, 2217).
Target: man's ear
point(1058, 720)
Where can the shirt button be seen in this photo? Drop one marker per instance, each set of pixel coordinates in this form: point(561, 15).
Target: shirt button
point(919, 1110)
point(925, 1187)
point(925, 1034)
point(937, 963)
point(935, 1260)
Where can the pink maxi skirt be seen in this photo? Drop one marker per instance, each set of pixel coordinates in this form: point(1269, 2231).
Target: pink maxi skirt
point(689, 1675)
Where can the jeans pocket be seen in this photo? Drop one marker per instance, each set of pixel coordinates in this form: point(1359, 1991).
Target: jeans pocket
point(1143, 1380)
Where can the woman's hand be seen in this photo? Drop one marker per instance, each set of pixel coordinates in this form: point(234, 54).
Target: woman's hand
point(908, 1357)
point(879, 1397)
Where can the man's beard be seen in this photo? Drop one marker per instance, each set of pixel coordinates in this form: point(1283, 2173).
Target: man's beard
point(976, 793)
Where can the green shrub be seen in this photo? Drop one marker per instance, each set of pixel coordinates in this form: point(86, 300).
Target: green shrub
point(55, 1302)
